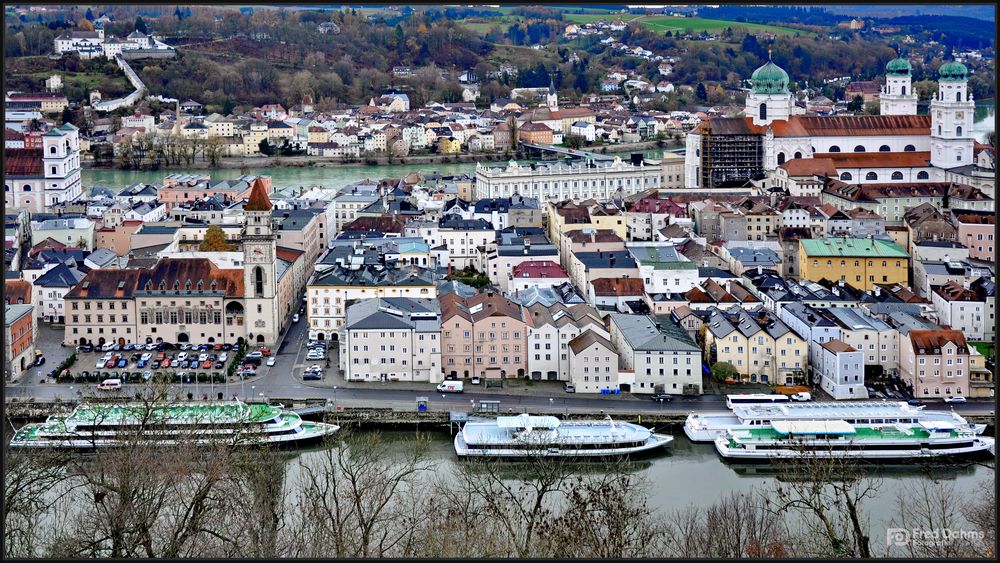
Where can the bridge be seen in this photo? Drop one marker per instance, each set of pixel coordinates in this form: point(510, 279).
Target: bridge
point(565, 151)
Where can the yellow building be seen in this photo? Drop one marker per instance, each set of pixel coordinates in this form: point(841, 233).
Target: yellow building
point(862, 263)
point(318, 135)
point(758, 344)
point(566, 216)
point(449, 145)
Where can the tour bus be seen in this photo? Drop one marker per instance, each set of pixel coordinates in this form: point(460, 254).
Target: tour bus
point(754, 398)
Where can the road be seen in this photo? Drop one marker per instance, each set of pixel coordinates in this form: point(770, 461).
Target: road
point(284, 381)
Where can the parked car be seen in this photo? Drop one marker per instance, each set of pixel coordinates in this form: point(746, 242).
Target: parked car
point(165, 363)
point(801, 397)
point(122, 363)
point(255, 354)
point(661, 397)
point(265, 351)
point(141, 363)
point(217, 347)
point(955, 399)
point(223, 357)
point(150, 346)
point(202, 357)
point(207, 364)
point(295, 318)
point(220, 365)
point(312, 376)
point(475, 380)
point(569, 388)
point(134, 358)
point(227, 347)
point(182, 356)
point(155, 364)
point(86, 348)
point(146, 375)
point(110, 364)
point(253, 361)
point(270, 361)
point(183, 346)
point(915, 403)
point(315, 356)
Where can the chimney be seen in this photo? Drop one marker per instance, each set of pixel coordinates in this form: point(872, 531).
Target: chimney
point(760, 270)
point(876, 291)
point(840, 282)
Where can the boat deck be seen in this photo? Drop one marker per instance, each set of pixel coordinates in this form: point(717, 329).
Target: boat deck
point(860, 433)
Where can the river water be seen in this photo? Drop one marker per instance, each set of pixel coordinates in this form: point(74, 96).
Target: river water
point(690, 474)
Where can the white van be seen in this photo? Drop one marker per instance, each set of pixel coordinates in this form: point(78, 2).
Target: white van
point(110, 384)
point(803, 396)
point(451, 386)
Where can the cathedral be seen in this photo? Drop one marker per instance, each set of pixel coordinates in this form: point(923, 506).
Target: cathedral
point(897, 146)
point(194, 300)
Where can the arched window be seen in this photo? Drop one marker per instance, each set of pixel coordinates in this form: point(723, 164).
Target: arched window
point(781, 158)
point(903, 90)
point(958, 96)
point(859, 148)
point(871, 176)
point(258, 282)
point(958, 131)
point(922, 175)
point(798, 154)
point(884, 148)
point(897, 175)
point(763, 111)
point(939, 129)
point(52, 150)
point(834, 148)
point(909, 148)
point(846, 176)
point(27, 188)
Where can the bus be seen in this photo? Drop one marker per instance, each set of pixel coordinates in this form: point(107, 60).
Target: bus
point(754, 399)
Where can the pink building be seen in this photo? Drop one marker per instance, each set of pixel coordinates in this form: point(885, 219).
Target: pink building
point(484, 335)
point(177, 190)
point(976, 231)
point(935, 362)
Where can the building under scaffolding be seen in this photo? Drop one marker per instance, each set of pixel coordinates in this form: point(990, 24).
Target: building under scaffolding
point(732, 153)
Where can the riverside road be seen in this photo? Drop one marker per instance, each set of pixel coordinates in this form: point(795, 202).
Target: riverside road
point(284, 381)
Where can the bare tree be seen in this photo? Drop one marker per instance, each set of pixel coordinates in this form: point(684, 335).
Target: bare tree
point(351, 500)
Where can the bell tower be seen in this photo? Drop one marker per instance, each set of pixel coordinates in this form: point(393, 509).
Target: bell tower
point(897, 97)
point(952, 110)
point(260, 283)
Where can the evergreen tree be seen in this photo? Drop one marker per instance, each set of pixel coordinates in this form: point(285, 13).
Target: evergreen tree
point(140, 25)
point(90, 15)
point(178, 14)
point(700, 92)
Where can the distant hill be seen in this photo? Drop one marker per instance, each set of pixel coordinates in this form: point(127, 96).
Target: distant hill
point(985, 13)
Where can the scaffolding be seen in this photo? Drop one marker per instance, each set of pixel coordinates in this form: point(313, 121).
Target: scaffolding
point(730, 159)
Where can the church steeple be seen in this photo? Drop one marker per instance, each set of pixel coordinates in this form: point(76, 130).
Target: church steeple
point(552, 99)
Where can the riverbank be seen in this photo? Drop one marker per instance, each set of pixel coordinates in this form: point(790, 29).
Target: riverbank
point(235, 163)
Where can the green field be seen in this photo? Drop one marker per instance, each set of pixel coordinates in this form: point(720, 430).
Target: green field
point(674, 24)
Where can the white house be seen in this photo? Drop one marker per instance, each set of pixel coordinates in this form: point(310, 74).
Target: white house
point(841, 370)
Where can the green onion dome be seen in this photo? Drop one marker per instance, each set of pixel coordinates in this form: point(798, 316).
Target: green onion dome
point(898, 67)
point(953, 72)
point(769, 79)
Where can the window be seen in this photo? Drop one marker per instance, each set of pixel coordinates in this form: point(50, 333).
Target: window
point(834, 148)
point(798, 154)
point(922, 175)
point(958, 130)
point(763, 111)
point(846, 176)
point(897, 175)
point(871, 176)
point(859, 148)
point(909, 148)
point(781, 158)
point(884, 148)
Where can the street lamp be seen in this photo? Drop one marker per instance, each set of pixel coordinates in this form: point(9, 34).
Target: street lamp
point(252, 389)
point(551, 400)
point(334, 397)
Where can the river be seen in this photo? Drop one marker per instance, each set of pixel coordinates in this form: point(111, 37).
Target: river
point(690, 474)
point(289, 180)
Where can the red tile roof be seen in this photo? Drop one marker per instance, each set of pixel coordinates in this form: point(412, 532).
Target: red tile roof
point(877, 159)
point(259, 201)
point(809, 167)
point(23, 163)
point(17, 291)
point(928, 340)
point(618, 287)
point(116, 283)
point(539, 269)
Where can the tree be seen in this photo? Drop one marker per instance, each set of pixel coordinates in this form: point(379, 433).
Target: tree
point(724, 370)
point(573, 141)
point(85, 25)
point(215, 241)
point(90, 15)
point(872, 108)
point(700, 92)
point(266, 148)
point(140, 26)
point(856, 104)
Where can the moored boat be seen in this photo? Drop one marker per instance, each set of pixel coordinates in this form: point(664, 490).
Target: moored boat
point(706, 427)
point(92, 426)
point(526, 436)
point(796, 439)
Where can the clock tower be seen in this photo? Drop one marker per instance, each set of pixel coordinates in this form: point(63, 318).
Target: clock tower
point(260, 283)
point(952, 109)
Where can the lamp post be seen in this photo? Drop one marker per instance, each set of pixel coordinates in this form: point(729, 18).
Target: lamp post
point(551, 400)
point(252, 389)
point(334, 397)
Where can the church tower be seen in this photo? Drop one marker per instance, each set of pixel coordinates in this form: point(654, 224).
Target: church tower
point(552, 98)
point(897, 97)
point(769, 99)
point(260, 283)
point(951, 118)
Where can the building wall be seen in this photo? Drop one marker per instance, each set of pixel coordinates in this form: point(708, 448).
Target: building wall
point(19, 343)
point(842, 375)
point(392, 355)
point(929, 379)
point(494, 347)
point(861, 272)
point(327, 305)
point(760, 354)
point(593, 369)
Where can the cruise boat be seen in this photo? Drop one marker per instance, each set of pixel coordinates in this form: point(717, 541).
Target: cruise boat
point(706, 427)
point(92, 426)
point(524, 435)
point(797, 439)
